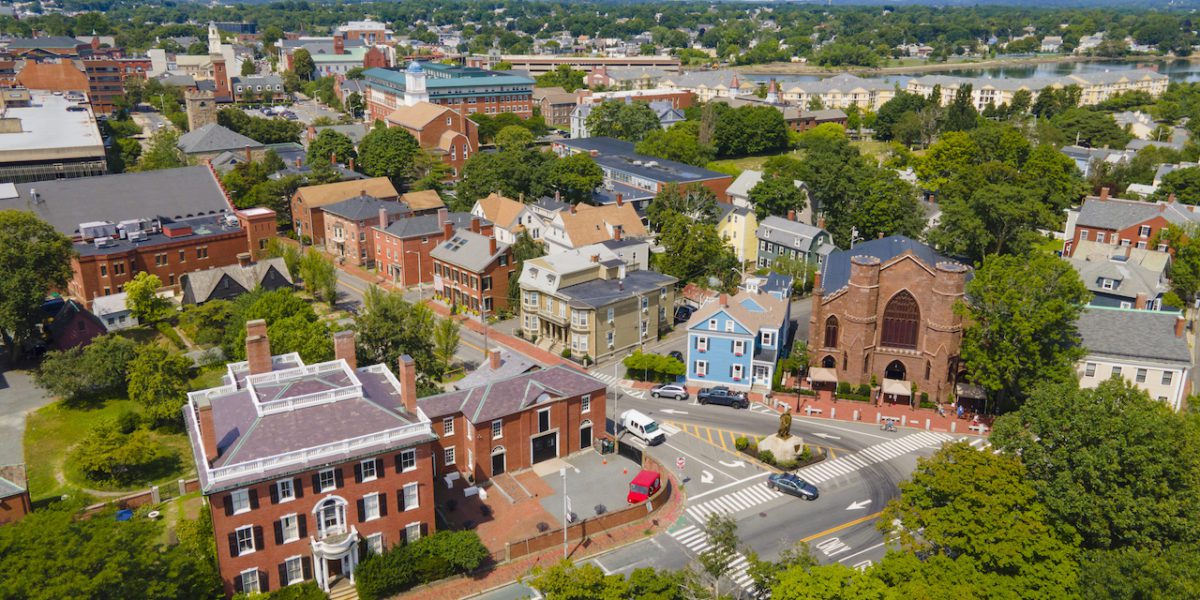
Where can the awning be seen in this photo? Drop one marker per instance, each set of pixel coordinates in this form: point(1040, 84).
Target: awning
point(969, 391)
point(897, 387)
point(822, 375)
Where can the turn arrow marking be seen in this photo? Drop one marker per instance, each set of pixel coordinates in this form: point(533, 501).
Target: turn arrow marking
point(827, 436)
point(858, 505)
point(671, 411)
point(733, 465)
point(706, 477)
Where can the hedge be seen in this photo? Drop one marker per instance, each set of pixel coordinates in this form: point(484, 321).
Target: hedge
point(428, 559)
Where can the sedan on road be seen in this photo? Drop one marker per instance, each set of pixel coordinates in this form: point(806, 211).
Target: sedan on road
point(789, 483)
point(669, 390)
point(723, 395)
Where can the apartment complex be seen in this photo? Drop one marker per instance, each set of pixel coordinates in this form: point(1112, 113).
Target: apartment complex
point(1094, 87)
point(308, 466)
point(591, 302)
point(466, 90)
point(537, 64)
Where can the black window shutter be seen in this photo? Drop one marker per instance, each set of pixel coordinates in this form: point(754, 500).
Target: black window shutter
point(383, 505)
point(274, 493)
point(279, 533)
point(283, 580)
point(299, 487)
point(306, 564)
point(379, 467)
point(337, 476)
point(253, 498)
point(237, 583)
point(398, 467)
point(233, 546)
point(316, 483)
point(302, 525)
point(357, 473)
point(228, 502)
point(258, 538)
point(264, 582)
point(400, 500)
point(362, 510)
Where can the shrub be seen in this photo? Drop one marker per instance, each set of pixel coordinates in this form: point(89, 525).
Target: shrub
point(924, 398)
point(843, 388)
point(300, 591)
point(169, 332)
point(741, 443)
point(107, 455)
point(128, 422)
point(646, 366)
point(788, 465)
point(566, 353)
point(863, 390)
point(430, 558)
point(767, 456)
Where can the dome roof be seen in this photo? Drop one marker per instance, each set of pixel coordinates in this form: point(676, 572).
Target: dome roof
point(414, 67)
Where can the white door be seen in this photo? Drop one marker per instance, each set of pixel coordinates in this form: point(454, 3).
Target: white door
point(761, 375)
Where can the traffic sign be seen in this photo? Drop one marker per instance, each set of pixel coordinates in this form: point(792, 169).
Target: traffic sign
point(679, 462)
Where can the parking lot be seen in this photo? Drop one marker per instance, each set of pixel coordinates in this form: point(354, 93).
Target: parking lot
point(595, 484)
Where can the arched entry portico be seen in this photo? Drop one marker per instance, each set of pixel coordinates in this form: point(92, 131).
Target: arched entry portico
point(895, 370)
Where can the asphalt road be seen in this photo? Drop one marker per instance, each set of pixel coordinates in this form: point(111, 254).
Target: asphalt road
point(18, 396)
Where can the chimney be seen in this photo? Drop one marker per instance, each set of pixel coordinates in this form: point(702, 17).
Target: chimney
point(475, 224)
point(339, 45)
point(494, 358)
point(557, 196)
point(492, 246)
point(343, 348)
point(351, 163)
point(408, 383)
point(383, 218)
point(617, 233)
point(881, 235)
point(724, 299)
point(1140, 302)
point(258, 347)
point(333, 158)
point(817, 282)
point(791, 215)
point(821, 222)
point(1180, 325)
point(448, 230)
point(572, 209)
point(243, 259)
point(595, 258)
point(933, 198)
point(299, 162)
point(620, 199)
point(362, 192)
point(312, 133)
point(208, 431)
point(1171, 198)
point(443, 214)
point(249, 157)
point(1104, 193)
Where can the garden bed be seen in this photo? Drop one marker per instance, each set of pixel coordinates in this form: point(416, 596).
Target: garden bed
point(749, 448)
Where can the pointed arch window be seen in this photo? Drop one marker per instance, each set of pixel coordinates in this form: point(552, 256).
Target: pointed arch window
point(901, 321)
point(831, 332)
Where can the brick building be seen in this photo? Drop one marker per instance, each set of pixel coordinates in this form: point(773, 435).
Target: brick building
point(1119, 222)
point(166, 222)
point(402, 248)
point(308, 214)
point(307, 467)
point(467, 90)
point(444, 132)
point(885, 310)
point(14, 494)
point(107, 76)
point(349, 223)
point(472, 270)
point(513, 423)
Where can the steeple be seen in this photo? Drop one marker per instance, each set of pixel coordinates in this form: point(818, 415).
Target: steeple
point(214, 39)
point(772, 92)
point(414, 84)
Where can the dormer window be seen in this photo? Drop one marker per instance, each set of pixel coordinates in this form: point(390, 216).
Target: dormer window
point(1107, 284)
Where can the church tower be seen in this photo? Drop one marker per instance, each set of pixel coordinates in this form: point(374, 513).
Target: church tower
point(414, 84)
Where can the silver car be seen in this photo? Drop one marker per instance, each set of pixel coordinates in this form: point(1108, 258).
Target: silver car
point(669, 390)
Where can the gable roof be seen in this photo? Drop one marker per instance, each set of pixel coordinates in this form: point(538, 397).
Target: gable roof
point(214, 138)
point(204, 282)
point(1133, 279)
point(1132, 334)
point(835, 273)
point(468, 250)
point(744, 183)
point(793, 234)
point(1117, 213)
point(422, 200)
point(753, 311)
point(166, 193)
point(485, 403)
point(361, 208)
point(502, 211)
point(589, 224)
point(428, 224)
point(319, 195)
point(511, 364)
point(416, 116)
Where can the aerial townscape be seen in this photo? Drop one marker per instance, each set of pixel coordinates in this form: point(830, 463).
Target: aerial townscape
point(599, 300)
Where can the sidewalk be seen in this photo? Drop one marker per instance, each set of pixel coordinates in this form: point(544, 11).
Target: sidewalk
point(580, 549)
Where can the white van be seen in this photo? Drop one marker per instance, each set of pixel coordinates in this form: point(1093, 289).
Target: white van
point(642, 426)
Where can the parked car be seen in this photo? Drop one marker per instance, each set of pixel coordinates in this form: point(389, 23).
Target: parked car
point(642, 426)
point(644, 485)
point(789, 483)
point(683, 313)
point(669, 390)
point(723, 395)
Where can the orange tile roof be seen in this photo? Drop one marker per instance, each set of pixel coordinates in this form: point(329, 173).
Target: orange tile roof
point(320, 195)
point(55, 77)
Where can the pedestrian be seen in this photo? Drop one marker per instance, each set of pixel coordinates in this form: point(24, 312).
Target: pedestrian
point(960, 411)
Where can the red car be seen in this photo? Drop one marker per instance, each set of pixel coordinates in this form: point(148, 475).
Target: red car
point(643, 486)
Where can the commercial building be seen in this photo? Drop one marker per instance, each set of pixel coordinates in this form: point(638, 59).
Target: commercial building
point(516, 422)
point(737, 340)
point(444, 132)
point(592, 303)
point(306, 467)
point(1144, 347)
point(537, 64)
point(167, 222)
point(467, 90)
point(472, 270)
point(648, 174)
point(263, 88)
point(45, 136)
point(402, 249)
point(308, 203)
point(885, 310)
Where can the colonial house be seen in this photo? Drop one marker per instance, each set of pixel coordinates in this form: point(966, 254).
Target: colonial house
point(402, 249)
point(472, 270)
point(1122, 277)
point(588, 300)
point(885, 310)
point(1144, 347)
point(306, 467)
point(229, 282)
point(1119, 222)
point(788, 237)
point(348, 226)
point(737, 226)
point(213, 140)
point(308, 203)
point(515, 422)
point(736, 341)
point(585, 224)
point(511, 218)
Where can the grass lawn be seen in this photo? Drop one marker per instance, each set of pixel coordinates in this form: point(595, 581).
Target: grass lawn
point(872, 148)
point(735, 166)
point(53, 430)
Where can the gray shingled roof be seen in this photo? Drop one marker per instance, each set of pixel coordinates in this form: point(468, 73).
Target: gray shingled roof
point(1132, 334)
point(602, 292)
point(203, 282)
point(792, 234)
point(1132, 278)
point(214, 138)
point(428, 224)
point(505, 397)
point(359, 208)
point(511, 365)
point(171, 193)
point(836, 271)
point(468, 250)
point(8, 488)
point(1116, 213)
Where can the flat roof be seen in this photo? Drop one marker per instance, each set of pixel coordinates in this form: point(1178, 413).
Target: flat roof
point(50, 131)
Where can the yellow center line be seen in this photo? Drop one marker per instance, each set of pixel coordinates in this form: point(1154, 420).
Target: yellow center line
point(841, 527)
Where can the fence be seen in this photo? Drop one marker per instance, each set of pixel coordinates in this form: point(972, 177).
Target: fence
point(629, 451)
point(154, 495)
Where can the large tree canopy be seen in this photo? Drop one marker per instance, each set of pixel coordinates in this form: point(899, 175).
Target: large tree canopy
point(34, 259)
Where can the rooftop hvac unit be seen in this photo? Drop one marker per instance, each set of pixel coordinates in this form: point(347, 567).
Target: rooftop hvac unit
point(103, 242)
point(137, 236)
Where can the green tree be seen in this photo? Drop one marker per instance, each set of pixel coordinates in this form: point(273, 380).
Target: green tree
point(562, 76)
point(953, 154)
point(776, 195)
point(143, 300)
point(510, 173)
point(680, 143)
point(1184, 184)
point(565, 581)
point(631, 121)
point(291, 255)
point(1110, 463)
point(329, 144)
point(388, 152)
point(79, 373)
point(694, 251)
point(715, 562)
point(319, 276)
point(980, 505)
point(272, 306)
point(961, 114)
point(158, 380)
point(303, 65)
point(34, 259)
point(525, 248)
point(107, 455)
point(1054, 176)
point(1021, 312)
point(575, 177)
point(389, 327)
point(445, 344)
point(827, 582)
point(998, 218)
point(694, 201)
point(248, 68)
point(1090, 128)
point(890, 113)
point(163, 152)
point(886, 204)
point(297, 333)
point(765, 574)
point(514, 137)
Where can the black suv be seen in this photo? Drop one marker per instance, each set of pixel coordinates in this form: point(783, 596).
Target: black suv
point(723, 395)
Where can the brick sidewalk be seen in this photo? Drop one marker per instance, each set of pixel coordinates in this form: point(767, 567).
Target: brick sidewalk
point(580, 549)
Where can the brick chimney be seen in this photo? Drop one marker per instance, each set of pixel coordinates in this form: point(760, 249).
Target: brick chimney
point(333, 158)
point(343, 348)
point(249, 156)
point(258, 347)
point(1171, 198)
point(821, 222)
point(383, 218)
point(475, 224)
point(1180, 325)
point(620, 199)
point(339, 45)
point(448, 229)
point(312, 133)
point(595, 258)
point(724, 299)
point(492, 246)
point(557, 196)
point(572, 209)
point(494, 358)
point(791, 215)
point(1140, 302)
point(617, 233)
point(243, 259)
point(1104, 193)
point(299, 162)
point(351, 163)
point(408, 383)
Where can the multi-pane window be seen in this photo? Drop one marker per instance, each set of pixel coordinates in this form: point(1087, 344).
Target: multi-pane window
point(610, 314)
point(412, 532)
point(375, 543)
point(1089, 370)
point(585, 403)
point(702, 344)
point(739, 347)
point(328, 480)
point(901, 320)
point(448, 457)
point(610, 337)
point(497, 429)
point(1140, 376)
point(290, 528)
point(408, 460)
point(294, 567)
point(543, 420)
point(448, 426)
point(241, 501)
point(831, 332)
point(1116, 371)
point(368, 469)
point(245, 540)
point(701, 368)
point(411, 498)
point(250, 581)
point(371, 507)
point(1167, 377)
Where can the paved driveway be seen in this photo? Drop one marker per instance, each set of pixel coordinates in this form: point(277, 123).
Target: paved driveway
point(18, 396)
